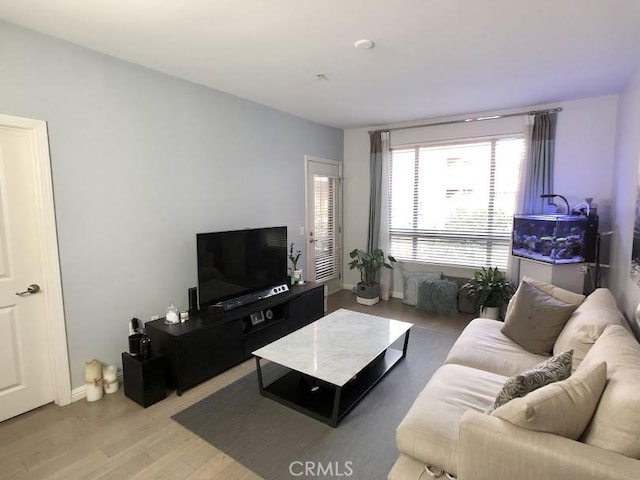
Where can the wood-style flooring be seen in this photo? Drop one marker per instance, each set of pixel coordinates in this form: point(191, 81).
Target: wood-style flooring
point(115, 438)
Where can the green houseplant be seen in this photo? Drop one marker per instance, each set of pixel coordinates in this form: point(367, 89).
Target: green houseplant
point(369, 264)
point(490, 291)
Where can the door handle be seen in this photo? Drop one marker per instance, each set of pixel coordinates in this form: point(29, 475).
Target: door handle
point(33, 288)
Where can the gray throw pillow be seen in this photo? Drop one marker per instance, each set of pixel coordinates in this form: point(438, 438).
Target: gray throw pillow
point(411, 281)
point(438, 296)
point(554, 369)
point(535, 319)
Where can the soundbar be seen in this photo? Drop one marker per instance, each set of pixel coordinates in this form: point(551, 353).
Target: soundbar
point(252, 297)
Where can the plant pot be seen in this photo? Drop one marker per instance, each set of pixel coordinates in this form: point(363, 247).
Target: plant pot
point(490, 312)
point(367, 294)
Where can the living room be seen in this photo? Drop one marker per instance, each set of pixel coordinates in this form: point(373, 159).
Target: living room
point(142, 160)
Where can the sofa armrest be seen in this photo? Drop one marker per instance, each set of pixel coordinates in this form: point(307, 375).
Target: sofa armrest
point(493, 449)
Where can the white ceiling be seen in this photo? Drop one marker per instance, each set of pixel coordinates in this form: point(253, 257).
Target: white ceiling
point(432, 57)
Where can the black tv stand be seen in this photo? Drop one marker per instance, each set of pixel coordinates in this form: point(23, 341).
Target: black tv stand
point(215, 340)
point(252, 297)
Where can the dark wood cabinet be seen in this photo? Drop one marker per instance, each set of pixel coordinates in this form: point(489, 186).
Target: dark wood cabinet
point(209, 343)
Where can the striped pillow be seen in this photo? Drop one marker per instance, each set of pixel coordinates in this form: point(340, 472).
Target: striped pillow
point(552, 370)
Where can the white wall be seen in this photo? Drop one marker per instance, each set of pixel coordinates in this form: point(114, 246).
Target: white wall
point(624, 185)
point(583, 164)
point(141, 162)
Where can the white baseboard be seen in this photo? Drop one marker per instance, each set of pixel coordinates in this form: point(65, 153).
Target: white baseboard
point(78, 393)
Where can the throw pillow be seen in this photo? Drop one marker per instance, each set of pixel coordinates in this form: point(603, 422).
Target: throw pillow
point(615, 426)
point(587, 323)
point(556, 292)
point(438, 296)
point(412, 280)
point(552, 370)
point(536, 319)
point(563, 408)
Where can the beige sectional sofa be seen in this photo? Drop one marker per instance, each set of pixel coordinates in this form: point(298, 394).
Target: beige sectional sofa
point(447, 434)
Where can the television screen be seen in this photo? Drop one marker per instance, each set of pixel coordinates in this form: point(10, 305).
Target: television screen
point(238, 262)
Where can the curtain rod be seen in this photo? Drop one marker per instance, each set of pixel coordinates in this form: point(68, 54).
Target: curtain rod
point(467, 120)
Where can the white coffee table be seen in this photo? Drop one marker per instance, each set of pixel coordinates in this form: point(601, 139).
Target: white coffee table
point(333, 362)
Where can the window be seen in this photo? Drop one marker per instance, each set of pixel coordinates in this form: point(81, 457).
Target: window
point(454, 204)
point(327, 258)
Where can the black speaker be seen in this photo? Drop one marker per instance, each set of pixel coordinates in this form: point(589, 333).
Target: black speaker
point(192, 294)
point(591, 239)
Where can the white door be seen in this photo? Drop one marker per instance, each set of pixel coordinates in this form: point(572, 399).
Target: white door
point(26, 379)
point(324, 222)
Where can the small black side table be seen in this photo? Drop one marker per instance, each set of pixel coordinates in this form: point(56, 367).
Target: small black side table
point(144, 380)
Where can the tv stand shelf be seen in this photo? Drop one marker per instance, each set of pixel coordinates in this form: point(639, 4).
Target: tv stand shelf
point(215, 340)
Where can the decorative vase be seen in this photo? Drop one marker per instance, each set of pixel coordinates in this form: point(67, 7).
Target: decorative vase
point(367, 294)
point(297, 277)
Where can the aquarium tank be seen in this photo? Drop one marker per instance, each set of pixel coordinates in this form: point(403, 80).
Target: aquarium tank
point(550, 238)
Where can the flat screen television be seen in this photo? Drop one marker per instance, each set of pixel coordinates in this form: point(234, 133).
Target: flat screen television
point(239, 262)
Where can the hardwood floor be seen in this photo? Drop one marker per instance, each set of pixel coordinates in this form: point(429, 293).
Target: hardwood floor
point(115, 438)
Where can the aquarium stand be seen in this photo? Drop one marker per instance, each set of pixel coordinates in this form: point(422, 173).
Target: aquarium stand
point(569, 276)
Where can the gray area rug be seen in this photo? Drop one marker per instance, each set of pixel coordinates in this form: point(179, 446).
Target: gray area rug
point(279, 443)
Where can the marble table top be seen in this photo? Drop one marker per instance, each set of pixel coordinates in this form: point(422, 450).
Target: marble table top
point(335, 347)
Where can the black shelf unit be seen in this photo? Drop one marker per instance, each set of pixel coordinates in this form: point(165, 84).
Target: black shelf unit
point(213, 341)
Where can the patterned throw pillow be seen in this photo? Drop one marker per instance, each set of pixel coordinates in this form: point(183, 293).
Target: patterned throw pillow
point(412, 280)
point(438, 296)
point(552, 370)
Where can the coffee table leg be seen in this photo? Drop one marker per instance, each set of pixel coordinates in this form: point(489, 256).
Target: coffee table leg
point(259, 371)
point(336, 406)
point(406, 343)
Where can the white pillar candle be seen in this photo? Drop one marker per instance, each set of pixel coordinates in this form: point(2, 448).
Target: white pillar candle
point(109, 373)
point(92, 371)
point(94, 391)
point(111, 387)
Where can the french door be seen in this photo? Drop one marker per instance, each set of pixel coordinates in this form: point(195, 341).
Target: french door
point(324, 222)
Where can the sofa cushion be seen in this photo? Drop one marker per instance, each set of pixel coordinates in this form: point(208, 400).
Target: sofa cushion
point(563, 408)
point(561, 294)
point(411, 281)
point(552, 370)
point(587, 323)
point(482, 345)
point(615, 425)
point(438, 296)
point(536, 319)
point(429, 431)
point(556, 292)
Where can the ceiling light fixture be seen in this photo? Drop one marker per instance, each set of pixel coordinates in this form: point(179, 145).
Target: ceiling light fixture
point(364, 44)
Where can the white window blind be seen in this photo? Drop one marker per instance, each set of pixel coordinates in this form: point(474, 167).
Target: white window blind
point(327, 255)
point(453, 204)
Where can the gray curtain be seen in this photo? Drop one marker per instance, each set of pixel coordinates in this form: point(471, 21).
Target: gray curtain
point(539, 178)
point(375, 171)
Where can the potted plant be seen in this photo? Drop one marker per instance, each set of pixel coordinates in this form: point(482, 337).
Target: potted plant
point(490, 291)
point(294, 257)
point(369, 264)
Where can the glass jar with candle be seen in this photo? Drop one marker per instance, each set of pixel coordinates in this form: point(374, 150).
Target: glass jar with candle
point(172, 317)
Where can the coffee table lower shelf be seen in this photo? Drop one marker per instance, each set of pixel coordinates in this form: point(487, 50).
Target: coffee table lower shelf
point(324, 401)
